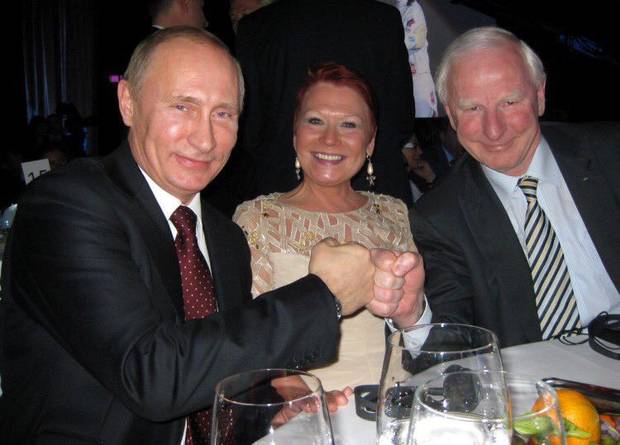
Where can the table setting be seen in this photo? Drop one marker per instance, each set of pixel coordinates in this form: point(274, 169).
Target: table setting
point(441, 383)
point(534, 361)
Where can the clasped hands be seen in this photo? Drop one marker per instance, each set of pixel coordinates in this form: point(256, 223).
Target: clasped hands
point(388, 283)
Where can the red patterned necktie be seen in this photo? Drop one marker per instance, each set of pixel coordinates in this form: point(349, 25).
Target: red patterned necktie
point(198, 300)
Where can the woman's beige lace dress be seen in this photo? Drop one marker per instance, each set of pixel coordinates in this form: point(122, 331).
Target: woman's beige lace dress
point(280, 238)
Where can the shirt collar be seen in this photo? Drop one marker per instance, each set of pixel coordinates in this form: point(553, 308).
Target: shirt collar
point(169, 203)
point(543, 166)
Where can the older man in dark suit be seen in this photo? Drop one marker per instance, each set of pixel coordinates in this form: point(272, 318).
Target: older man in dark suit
point(278, 43)
point(127, 297)
point(522, 236)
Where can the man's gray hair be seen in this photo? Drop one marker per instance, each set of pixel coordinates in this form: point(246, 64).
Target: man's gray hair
point(141, 57)
point(485, 38)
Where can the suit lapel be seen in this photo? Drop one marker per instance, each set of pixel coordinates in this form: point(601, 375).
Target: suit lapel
point(123, 170)
point(596, 203)
point(500, 247)
point(223, 257)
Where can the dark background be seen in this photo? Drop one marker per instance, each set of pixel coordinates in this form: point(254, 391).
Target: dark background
point(577, 45)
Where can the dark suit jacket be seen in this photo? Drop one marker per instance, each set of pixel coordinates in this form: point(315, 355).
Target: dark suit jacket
point(476, 270)
point(95, 346)
point(278, 43)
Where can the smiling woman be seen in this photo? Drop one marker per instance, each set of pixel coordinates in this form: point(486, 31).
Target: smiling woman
point(334, 132)
point(334, 136)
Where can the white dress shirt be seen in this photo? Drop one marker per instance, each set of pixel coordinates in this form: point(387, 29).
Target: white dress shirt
point(169, 203)
point(413, 339)
point(594, 290)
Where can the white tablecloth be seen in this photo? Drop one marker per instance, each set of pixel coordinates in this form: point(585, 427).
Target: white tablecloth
point(543, 359)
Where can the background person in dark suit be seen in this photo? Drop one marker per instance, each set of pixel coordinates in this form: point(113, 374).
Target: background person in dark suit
point(278, 43)
point(97, 345)
point(167, 13)
point(473, 229)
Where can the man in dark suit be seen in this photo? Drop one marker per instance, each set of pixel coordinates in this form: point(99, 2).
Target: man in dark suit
point(478, 230)
point(167, 13)
point(212, 15)
point(278, 43)
point(97, 341)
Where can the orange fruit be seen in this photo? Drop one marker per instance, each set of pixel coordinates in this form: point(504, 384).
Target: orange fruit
point(578, 410)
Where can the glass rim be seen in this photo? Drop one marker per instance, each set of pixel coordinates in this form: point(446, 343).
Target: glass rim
point(494, 340)
point(318, 392)
point(526, 378)
point(508, 377)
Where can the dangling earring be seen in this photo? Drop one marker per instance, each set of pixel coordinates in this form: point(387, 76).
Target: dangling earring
point(297, 168)
point(370, 177)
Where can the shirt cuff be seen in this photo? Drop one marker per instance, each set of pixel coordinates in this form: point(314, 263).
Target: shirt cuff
point(425, 318)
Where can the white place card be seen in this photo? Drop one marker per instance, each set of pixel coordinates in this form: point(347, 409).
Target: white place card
point(34, 169)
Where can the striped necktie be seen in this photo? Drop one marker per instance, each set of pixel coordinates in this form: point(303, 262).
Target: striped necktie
point(555, 299)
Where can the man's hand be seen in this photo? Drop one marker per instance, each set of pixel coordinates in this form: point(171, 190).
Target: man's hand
point(398, 286)
point(347, 270)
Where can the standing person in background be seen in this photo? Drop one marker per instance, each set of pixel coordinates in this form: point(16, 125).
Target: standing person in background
point(416, 40)
point(167, 13)
point(522, 236)
point(419, 170)
point(334, 137)
point(276, 46)
point(241, 8)
point(449, 146)
point(158, 14)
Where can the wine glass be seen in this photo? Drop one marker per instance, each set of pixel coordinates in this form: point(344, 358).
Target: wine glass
point(419, 353)
point(462, 407)
point(270, 406)
point(486, 407)
point(535, 411)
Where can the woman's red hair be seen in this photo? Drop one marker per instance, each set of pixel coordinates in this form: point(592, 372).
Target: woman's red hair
point(339, 75)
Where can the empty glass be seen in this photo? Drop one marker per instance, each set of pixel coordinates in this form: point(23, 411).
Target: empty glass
point(418, 354)
point(270, 406)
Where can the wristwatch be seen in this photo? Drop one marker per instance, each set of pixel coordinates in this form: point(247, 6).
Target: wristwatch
point(338, 305)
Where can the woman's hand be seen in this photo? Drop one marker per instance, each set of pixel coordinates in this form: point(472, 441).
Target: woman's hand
point(336, 399)
point(293, 387)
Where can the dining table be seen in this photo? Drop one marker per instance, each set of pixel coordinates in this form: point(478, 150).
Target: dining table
point(552, 358)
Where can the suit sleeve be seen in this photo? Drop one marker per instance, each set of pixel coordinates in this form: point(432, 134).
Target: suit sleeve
point(448, 284)
point(80, 272)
